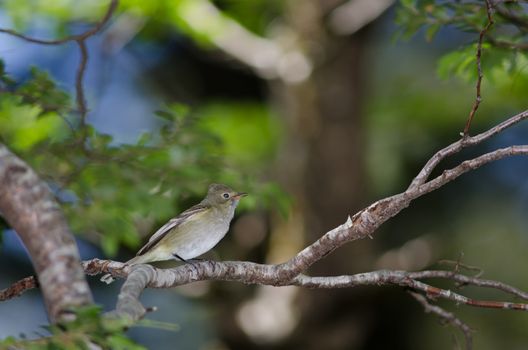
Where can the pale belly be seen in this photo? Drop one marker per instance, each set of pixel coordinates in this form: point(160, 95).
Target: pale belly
point(198, 239)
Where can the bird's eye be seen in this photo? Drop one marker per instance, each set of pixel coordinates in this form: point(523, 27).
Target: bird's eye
point(225, 195)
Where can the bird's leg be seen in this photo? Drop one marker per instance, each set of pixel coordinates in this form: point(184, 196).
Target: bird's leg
point(190, 261)
point(179, 257)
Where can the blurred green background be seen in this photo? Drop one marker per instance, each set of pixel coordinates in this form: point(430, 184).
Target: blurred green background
point(313, 109)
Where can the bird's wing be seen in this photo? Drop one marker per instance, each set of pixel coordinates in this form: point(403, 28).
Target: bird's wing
point(171, 224)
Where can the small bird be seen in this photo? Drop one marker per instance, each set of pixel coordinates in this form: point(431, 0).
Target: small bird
point(192, 233)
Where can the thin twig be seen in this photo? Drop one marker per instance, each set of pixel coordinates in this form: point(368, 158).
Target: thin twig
point(80, 39)
point(447, 316)
point(81, 101)
point(459, 264)
point(457, 146)
point(520, 22)
point(507, 44)
point(467, 165)
point(18, 288)
point(478, 99)
point(476, 281)
point(75, 37)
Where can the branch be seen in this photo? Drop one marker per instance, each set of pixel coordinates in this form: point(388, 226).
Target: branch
point(79, 86)
point(80, 39)
point(523, 46)
point(447, 316)
point(463, 279)
point(478, 99)
point(139, 277)
point(467, 165)
point(75, 37)
point(520, 22)
point(29, 207)
point(18, 288)
point(457, 146)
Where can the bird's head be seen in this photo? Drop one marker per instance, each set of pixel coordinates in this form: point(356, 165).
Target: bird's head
point(222, 195)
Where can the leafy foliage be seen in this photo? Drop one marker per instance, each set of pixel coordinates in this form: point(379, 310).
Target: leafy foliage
point(505, 79)
point(508, 31)
point(115, 193)
point(89, 328)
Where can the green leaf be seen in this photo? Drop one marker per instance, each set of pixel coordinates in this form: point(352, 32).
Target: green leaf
point(41, 90)
point(460, 63)
point(121, 342)
point(408, 3)
point(110, 244)
point(165, 115)
point(24, 126)
point(431, 31)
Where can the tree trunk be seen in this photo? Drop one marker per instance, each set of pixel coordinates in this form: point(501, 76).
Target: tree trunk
point(30, 208)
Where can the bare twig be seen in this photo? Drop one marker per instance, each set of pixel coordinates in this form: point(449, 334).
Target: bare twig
point(80, 39)
point(472, 164)
point(18, 288)
point(75, 37)
point(478, 99)
point(447, 316)
point(520, 22)
point(507, 44)
point(459, 264)
point(81, 101)
point(457, 146)
point(479, 282)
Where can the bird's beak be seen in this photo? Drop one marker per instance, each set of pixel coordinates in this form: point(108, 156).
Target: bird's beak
point(240, 195)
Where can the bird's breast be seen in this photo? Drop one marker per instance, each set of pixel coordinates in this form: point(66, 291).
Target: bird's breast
point(197, 237)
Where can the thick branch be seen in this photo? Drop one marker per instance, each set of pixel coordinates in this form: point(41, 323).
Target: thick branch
point(29, 207)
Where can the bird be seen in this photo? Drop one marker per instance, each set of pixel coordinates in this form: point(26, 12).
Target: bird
point(193, 232)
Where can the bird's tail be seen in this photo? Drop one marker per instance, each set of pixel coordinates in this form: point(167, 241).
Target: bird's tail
point(140, 259)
